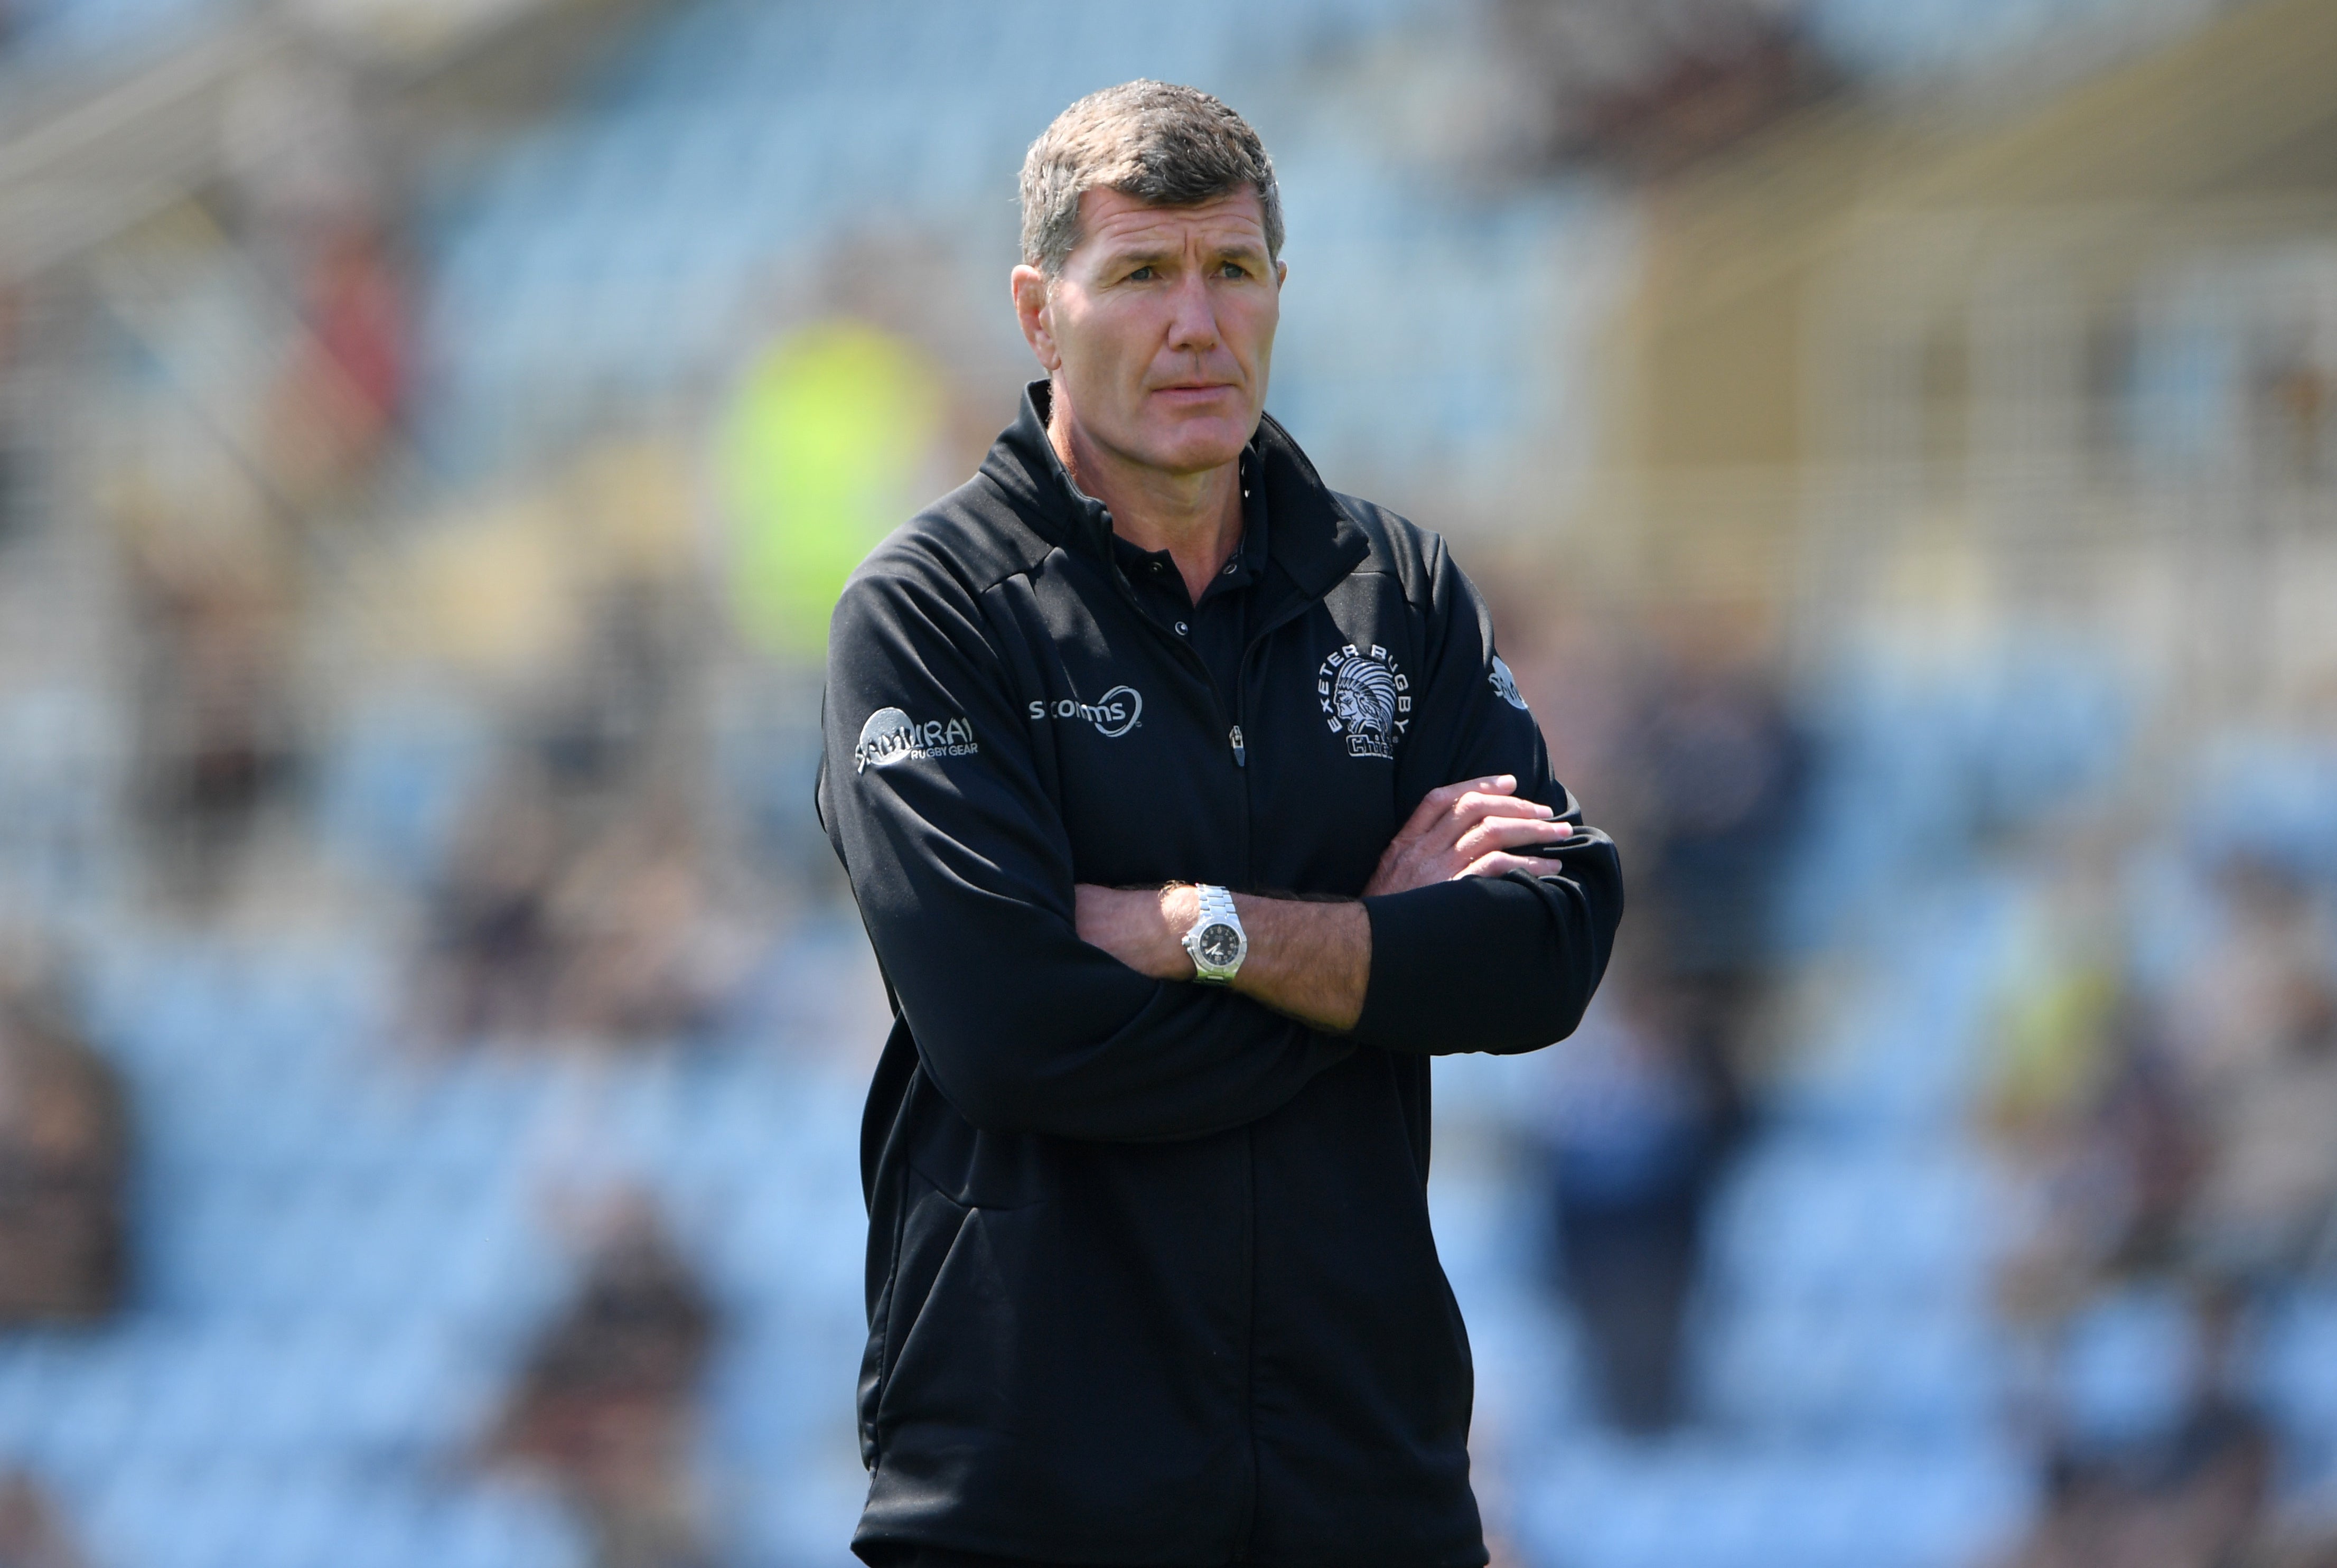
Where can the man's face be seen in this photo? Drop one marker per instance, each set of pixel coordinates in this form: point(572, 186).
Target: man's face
point(1159, 329)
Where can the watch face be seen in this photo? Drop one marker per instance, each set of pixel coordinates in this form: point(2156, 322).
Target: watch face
point(1219, 945)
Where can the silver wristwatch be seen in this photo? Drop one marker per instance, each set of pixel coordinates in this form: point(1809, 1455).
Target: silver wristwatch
point(1217, 943)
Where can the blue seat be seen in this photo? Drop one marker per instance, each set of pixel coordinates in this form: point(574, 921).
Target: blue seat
point(394, 776)
point(99, 1388)
point(2127, 1365)
point(1813, 1219)
point(1815, 1369)
point(2293, 1368)
point(505, 1526)
point(173, 1513)
point(1695, 1504)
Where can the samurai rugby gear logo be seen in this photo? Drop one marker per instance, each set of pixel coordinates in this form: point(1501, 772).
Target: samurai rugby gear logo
point(1364, 698)
point(1505, 685)
point(1113, 714)
point(891, 736)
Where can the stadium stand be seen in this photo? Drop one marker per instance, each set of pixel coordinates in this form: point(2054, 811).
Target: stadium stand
point(345, 1246)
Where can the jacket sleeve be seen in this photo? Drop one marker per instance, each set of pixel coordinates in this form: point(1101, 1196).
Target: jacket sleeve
point(1485, 963)
point(962, 870)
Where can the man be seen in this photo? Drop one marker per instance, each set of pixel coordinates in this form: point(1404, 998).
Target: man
point(1150, 1278)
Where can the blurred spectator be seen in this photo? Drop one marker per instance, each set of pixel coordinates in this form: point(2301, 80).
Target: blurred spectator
point(217, 729)
point(493, 954)
point(582, 899)
point(341, 390)
point(649, 955)
point(1637, 1127)
point(2084, 1096)
point(2262, 980)
point(1707, 771)
point(1652, 87)
point(64, 1154)
point(2191, 1494)
point(604, 720)
point(2195, 1501)
point(605, 1405)
point(2189, 1139)
point(2258, 1028)
point(574, 914)
point(2294, 424)
point(1717, 780)
point(33, 1535)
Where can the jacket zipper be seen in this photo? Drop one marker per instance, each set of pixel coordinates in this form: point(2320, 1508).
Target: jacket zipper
point(1240, 746)
point(1249, 1144)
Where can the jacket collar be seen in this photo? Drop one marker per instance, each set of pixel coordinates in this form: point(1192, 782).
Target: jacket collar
point(1312, 538)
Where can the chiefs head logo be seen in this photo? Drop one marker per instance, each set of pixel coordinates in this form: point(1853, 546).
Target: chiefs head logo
point(1365, 698)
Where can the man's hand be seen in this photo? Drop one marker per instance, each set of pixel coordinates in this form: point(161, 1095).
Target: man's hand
point(1467, 829)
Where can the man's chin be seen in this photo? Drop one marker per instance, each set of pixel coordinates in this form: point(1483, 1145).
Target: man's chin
point(1198, 446)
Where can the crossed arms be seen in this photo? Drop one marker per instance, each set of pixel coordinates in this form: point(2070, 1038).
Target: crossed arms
point(1309, 959)
point(1039, 1004)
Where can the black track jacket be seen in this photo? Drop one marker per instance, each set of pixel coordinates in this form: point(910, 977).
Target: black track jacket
point(1150, 1278)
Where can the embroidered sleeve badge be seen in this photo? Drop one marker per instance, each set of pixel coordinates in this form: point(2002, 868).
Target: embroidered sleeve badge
point(1505, 685)
point(891, 736)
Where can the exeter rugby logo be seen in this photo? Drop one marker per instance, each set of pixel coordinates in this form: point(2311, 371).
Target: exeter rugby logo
point(1365, 698)
point(891, 736)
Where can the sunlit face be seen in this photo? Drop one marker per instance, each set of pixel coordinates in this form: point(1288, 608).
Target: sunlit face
point(1158, 331)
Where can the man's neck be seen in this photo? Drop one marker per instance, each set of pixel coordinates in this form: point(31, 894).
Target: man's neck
point(1195, 517)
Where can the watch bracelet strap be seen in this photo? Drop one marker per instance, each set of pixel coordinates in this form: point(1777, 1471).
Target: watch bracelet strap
point(1217, 905)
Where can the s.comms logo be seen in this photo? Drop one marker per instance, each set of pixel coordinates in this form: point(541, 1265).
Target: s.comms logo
point(1113, 714)
point(1116, 712)
point(891, 736)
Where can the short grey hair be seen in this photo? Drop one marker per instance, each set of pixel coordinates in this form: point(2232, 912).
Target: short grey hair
point(1161, 143)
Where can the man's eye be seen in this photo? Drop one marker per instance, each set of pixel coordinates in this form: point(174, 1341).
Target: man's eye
point(1233, 269)
point(1141, 274)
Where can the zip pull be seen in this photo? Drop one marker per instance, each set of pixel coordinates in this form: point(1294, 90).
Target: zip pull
point(1240, 758)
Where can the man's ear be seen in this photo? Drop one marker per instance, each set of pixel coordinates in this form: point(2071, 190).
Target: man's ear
point(1030, 311)
point(1281, 273)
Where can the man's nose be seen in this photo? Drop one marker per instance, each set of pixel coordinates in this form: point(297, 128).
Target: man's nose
point(1193, 315)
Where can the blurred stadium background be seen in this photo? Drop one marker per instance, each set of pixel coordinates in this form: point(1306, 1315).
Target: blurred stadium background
point(1900, 436)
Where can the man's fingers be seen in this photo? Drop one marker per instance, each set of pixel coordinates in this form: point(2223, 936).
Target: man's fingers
point(1440, 801)
point(1473, 809)
point(1508, 833)
point(1441, 834)
point(1437, 836)
point(1479, 804)
point(1446, 796)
